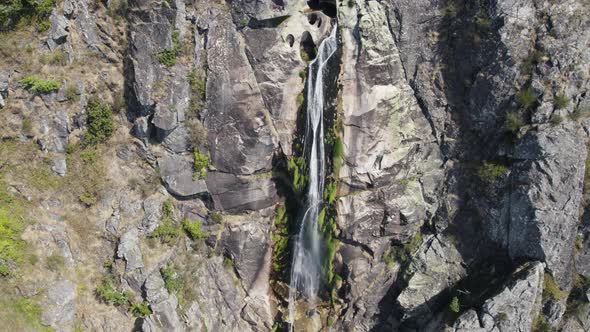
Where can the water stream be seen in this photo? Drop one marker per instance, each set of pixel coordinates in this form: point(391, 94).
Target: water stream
point(307, 254)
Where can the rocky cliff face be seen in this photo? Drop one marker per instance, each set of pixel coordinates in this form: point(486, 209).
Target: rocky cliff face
point(152, 164)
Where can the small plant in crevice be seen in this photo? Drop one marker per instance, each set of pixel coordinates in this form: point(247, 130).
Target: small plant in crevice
point(561, 101)
point(551, 289)
point(534, 58)
point(491, 171)
point(526, 98)
point(172, 281)
point(168, 56)
point(140, 309)
point(297, 167)
point(556, 119)
point(193, 229)
point(200, 164)
point(514, 121)
point(107, 293)
point(455, 306)
point(402, 254)
point(540, 324)
point(166, 231)
point(197, 85)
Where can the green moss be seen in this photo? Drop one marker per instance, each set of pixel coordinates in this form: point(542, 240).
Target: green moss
point(140, 309)
point(337, 155)
point(38, 85)
point(280, 238)
point(200, 164)
point(100, 124)
point(12, 247)
point(300, 100)
point(454, 306)
point(491, 171)
point(551, 289)
point(193, 229)
point(297, 167)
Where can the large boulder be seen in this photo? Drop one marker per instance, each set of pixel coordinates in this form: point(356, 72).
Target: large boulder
point(240, 193)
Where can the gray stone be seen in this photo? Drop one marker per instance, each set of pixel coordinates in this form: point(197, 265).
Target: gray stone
point(59, 309)
point(59, 30)
point(247, 242)
point(241, 193)
point(163, 305)
point(240, 133)
point(177, 174)
point(514, 308)
point(130, 251)
point(436, 267)
point(548, 176)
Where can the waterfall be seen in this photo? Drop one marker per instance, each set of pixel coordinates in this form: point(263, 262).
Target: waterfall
point(307, 254)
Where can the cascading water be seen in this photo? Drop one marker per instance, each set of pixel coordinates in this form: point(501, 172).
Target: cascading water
point(307, 254)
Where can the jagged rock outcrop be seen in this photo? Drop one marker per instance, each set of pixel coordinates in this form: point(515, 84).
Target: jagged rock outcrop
point(544, 203)
point(513, 309)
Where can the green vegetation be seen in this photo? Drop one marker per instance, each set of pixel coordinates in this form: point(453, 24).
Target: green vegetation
point(21, 314)
point(38, 85)
point(540, 324)
point(297, 167)
point(280, 238)
point(197, 85)
point(25, 12)
point(100, 123)
point(57, 57)
point(330, 192)
point(535, 57)
point(171, 280)
point(55, 262)
point(514, 121)
point(502, 317)
point(12, 247)
point(168, 56)
point(107, 293)
point(227, 261)
point(491, 171)
point(455, 306)
point(402, 254)
point(216, 217)
point(337, 155)
point(556, 119)
point(579, 241)
point(526, 98)
point(193, 229)
point(580, 112)
point(300, 100)
point(140, 309)
point(166, 231)
point(577, 302)
point(561, 101)
point(200, 164)
point(551, 289)
point(303, 74)
point(72, 92)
